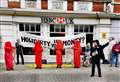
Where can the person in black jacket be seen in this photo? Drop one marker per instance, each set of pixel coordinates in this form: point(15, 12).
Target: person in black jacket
point(96, 55)
point(19, 51)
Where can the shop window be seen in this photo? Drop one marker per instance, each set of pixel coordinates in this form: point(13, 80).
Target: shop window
point(83, 29)
point(32, 29)
point(88, 29)
point(57, 30)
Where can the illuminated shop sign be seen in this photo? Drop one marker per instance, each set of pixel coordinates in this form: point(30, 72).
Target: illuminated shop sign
point(55, 20)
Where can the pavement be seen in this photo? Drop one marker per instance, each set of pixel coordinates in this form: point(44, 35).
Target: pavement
point(27, 73)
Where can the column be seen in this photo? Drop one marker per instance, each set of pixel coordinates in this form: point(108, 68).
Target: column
point(69, 28)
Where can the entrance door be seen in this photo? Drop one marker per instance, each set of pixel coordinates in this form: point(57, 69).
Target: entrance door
point(89, 38)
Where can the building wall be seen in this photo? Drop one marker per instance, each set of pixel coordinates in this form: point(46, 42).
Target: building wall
point(9, 24)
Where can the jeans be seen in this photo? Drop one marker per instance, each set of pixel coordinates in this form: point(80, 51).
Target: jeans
point(114, 59)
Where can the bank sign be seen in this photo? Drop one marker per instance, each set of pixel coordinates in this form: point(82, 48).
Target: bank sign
point(28, 40)
point(57, 20)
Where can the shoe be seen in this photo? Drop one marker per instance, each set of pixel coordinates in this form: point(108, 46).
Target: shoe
point(92, 76)
point(12, 69)
point(17, 63)
point(76, 67)
point(116, 66)
point(58, 66)
point(99, 76)
point(38, 67)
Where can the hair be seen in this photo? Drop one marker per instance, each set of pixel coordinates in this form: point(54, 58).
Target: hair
point(97, 41)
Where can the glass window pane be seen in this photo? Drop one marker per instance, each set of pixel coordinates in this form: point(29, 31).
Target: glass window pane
point(51, 28)
point(26, 27)
point(91, 28)
point(32, 27)
point(76, 28)
point(21, 27)
point(86, 29)
point(62, 28)
point(57, 28)
point(81, 28)
point(38, 27)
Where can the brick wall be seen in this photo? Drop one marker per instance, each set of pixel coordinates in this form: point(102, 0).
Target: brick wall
point(44, 4)
point(117, 8)
point(98, 7)
point(13, 4)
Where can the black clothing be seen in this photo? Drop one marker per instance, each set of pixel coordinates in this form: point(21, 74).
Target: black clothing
point(19, 51)
point(95, 60)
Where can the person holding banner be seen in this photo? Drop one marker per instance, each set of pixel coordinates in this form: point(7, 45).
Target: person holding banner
point(59, 52)
point(8, 56)
point(19, 51)
point(77, 53)
point(38, 54)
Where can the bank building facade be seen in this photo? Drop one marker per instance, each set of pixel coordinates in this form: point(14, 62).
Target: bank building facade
point(95, 19)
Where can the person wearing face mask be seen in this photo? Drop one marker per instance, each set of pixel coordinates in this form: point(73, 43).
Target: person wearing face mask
point(77, 53)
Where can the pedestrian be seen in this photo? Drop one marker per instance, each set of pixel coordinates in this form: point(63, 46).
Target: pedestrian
point(86, 58)
point(19, 51)
point(38, 54)
point(8, 56)
point(101, 47)
point(115, 54)
point(77, 53)
point(59, 52)
point(96, 55)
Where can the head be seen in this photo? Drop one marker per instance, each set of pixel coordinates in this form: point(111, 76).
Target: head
point(94, 43)
point(97, 42)
point(88, 45)
point(18, 40)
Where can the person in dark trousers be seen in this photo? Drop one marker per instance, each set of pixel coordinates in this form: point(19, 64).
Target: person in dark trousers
point(115, 54)
point(96, 55)
point(19, 51)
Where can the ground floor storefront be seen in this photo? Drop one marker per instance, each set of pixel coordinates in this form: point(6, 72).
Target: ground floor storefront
point(50, 27)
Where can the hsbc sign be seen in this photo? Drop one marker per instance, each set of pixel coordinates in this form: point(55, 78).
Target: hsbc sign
point(55, 20)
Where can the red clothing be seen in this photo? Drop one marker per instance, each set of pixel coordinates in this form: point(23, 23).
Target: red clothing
point(116, 48)
point(38, 54)
point(77, 54)
point(8, 56)
point(59, 52)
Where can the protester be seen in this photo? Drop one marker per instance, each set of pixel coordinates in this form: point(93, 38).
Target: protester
point(97, 54)
point(8, 56)
point(59, 52)
point(86, 58)
point(19, 51)
point(77, 53)
point(115, 54)
point(38, 54)
point(113, 41)
point(101, 47)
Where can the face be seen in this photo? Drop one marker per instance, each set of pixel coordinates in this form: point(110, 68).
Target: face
point(94, 44)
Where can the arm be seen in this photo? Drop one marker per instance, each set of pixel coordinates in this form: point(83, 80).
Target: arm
point(105, 45)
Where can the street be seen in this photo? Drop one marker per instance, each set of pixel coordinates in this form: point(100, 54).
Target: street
point(23, 73)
